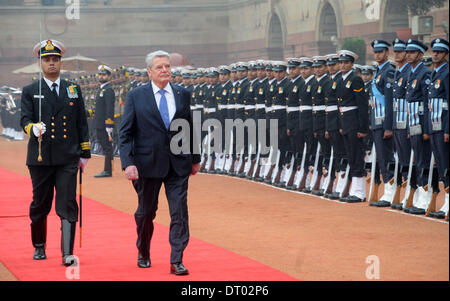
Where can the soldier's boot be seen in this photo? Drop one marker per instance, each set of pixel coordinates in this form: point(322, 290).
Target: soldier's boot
point(67, 242)
point(107, 172)
point(39, 238)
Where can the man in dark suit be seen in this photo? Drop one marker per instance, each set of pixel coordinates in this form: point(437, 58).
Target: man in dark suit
point(58, 146)
point(104, 118)
point(149, 160)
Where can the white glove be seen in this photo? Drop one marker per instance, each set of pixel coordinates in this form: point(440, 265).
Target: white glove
point(109, 131)
point(38, 129)
point(82, 163)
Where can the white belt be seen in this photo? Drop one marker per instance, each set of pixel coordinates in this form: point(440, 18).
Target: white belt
point(250, 107)
point(199, 106)
point(331, 108)
point(305, 108)
point(210, 110)
point(275, 108)
point(319, 108)
point(237, 107)
point(346, 109)
point(231, 107)
point(293, 109)
point(260, 106)
point(221, 107)
point(192, 107)
point(269, 109)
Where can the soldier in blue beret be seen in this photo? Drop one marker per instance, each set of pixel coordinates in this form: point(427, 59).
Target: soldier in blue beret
point(402, 143)
point(418, 128)
point(381, 119)
point(438, 119)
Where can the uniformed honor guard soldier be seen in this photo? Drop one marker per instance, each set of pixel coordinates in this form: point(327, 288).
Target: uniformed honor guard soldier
point(428, 62)
point(104, 118)
point(319, 99)
point(293, 110)
point(223, 95)
point(306, 134)
point(400, 118)
point(210, 110)
point(382, 119)
point(438, 119)
point(367, 76)
point(417, 97)
point(279, 113)
point(353, 108)
point(332, 127)
point(249, 113)
point(53, 115)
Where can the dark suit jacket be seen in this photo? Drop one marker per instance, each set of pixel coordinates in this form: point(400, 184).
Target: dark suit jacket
point(67, 136)
point(144, 140)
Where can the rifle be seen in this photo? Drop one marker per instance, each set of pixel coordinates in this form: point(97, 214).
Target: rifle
point(396, 198)
point(328, 185)
point(258, 163)
point(276, 176)
point(299, 184)
point(315, 179)
point(268, 171)
point(409, 198)
point(292, 174)
point(347, 182)
point(373, 189)
point(431, 196)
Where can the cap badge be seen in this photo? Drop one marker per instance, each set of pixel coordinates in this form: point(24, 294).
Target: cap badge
point(49, 46)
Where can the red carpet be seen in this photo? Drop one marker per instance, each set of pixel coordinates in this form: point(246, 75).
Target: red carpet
point(109, 246)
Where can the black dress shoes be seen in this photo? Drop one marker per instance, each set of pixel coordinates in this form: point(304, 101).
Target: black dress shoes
point(178, 269)
point(354, 199)
point(415, 210)
point(39, 253)
point(317, 192)
point(381, 204)
point(333, 195)
point(397, 206)
point(438, 214)
point(103, 174)
point(143, 261)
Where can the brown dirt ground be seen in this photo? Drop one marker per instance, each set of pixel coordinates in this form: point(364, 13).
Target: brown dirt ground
point(307, 237)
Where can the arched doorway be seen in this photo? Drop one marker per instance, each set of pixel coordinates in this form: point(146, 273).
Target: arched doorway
point(328, 30)
point(275, 40)
point(395, 16)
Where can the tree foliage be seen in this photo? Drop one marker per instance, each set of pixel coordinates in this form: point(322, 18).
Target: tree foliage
point(421, 7)
point(358, 46)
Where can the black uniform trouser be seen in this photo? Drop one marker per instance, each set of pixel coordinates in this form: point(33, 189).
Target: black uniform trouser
point(385, 153)
point(441, 153)
point(354, 148)
point(325, 151)
point(176, 188)
point(422, 156)
point(307, 136)
point(403, 148)
point(283, 144)
point(103, 139)
point(337, 142)
point(48, 179)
